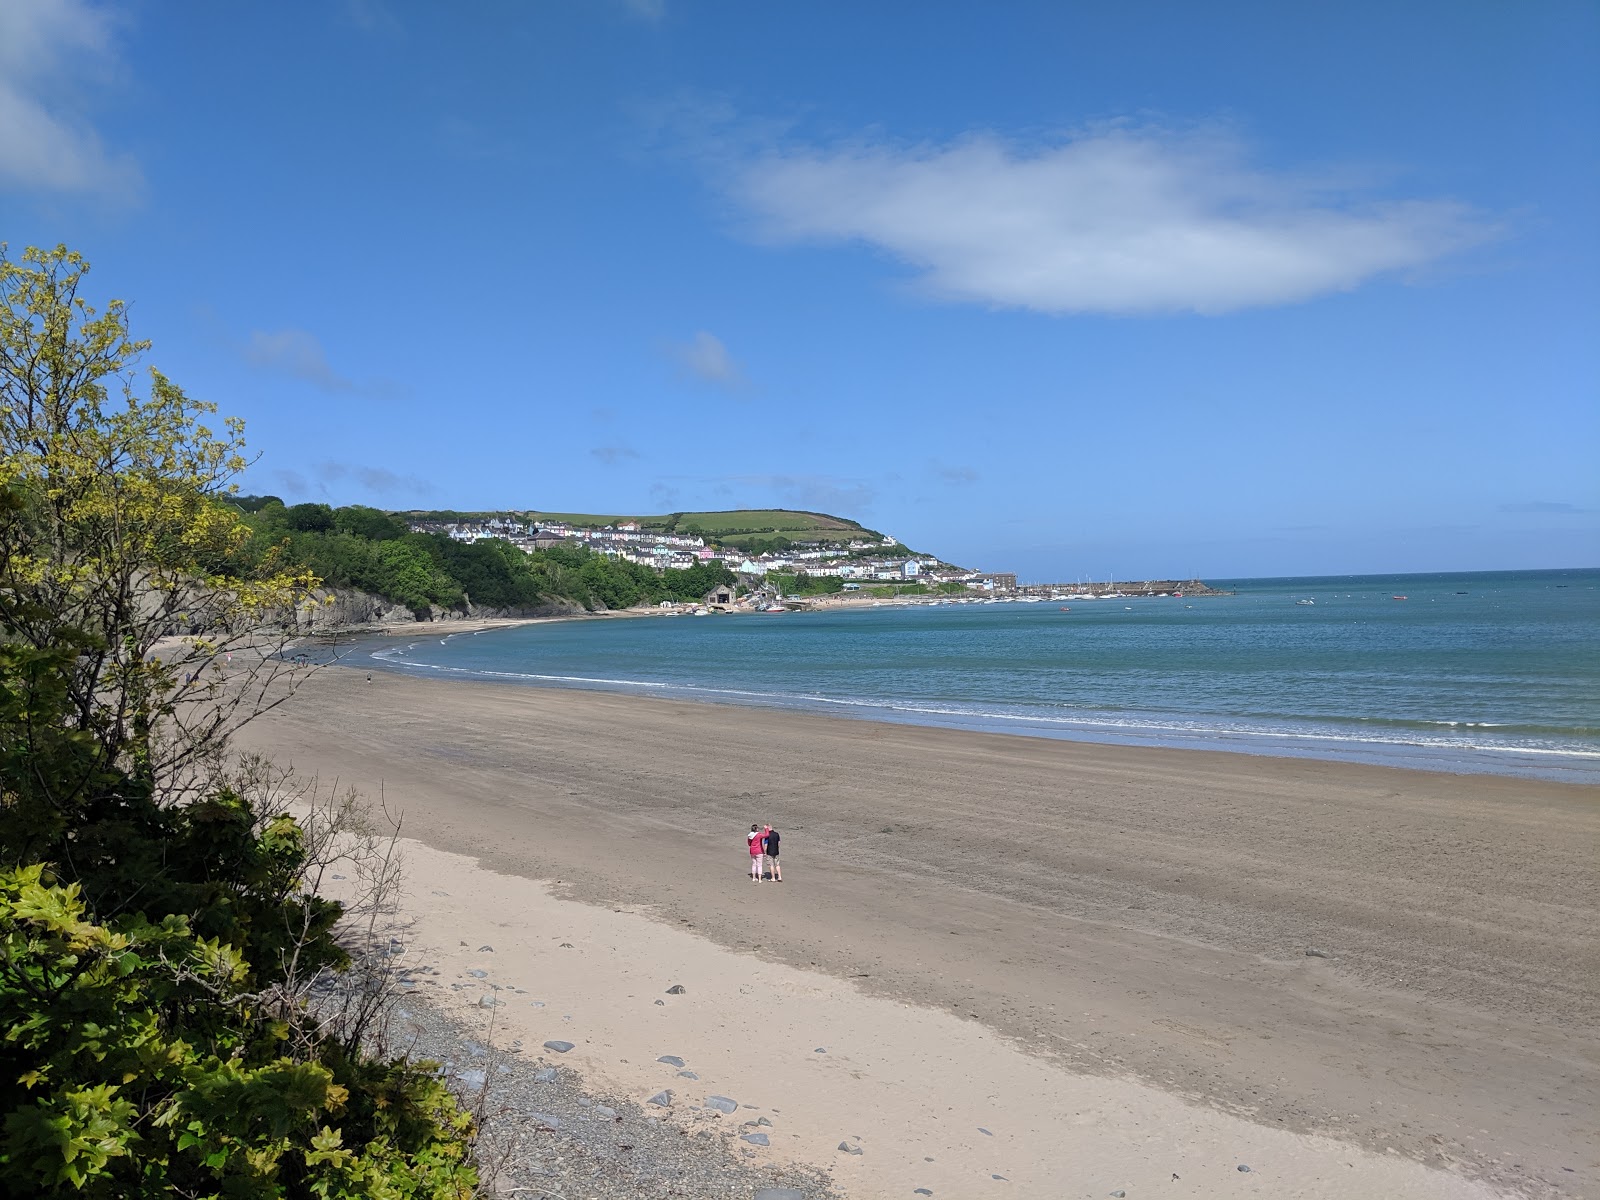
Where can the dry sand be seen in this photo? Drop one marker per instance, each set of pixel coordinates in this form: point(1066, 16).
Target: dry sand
point(1096, 953)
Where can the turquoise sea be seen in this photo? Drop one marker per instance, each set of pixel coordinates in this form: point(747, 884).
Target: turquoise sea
point(1496, 672)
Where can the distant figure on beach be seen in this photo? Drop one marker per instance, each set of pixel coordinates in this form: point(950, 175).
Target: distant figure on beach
point(757, 848)
point(369, 676)
point(771, 839)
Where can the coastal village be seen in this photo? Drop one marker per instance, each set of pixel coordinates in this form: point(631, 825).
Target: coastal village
point(864, 566)
point(873, 561)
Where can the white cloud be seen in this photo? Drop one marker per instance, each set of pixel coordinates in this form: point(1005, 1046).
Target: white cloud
point(48, 48)
point(705, 357)
point(297, 353)
point(1115, 219)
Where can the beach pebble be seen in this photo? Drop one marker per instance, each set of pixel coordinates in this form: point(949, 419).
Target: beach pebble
point(558, 1046)
point(545, 1075)
point(849, 1149)
point(922, 1192)
point(819, 1050)
point(762, 1121)
point(1001, 1178)
point(488, 1002)
point(1244, 1168)
point(756, 1139)
point(478, 973)
point(606, 1111)
point(779, 1194)
point(585, 1102)
point(485, 949)
point(661, 1100)
point(546, 1119)
point(676, 989)
point(536, 1004)
point(672, 1060)
point(722, 1104)
point(984, 1131)
point(663, 1003)
point(1316, 954)
point(1119, 1193)
point(687, 1075)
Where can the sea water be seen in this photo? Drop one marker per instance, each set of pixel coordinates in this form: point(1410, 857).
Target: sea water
point(1494, 672)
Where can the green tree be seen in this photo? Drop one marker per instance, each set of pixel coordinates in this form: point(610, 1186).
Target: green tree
point(310, 518)
point(370, 523)
point(157, 923)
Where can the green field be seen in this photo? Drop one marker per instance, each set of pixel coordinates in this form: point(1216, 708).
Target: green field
point(733, 527)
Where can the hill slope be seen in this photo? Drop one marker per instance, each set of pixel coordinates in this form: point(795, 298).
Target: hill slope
point(732, 527)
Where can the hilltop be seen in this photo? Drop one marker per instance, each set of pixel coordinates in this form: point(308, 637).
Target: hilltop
point(732, 527)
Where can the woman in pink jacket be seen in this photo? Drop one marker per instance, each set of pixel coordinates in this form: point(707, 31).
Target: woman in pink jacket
point(757, 843)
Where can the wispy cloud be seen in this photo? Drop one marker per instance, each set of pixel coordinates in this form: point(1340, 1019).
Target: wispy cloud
point(651, 11)
point(613, 454)
point(954, 474)
point(298, 353)
point(1116, 218)
point(48, 49)
point(372, 16)
point(379, 482)
point(705, 357)
point(826, 492)
point(1541, 506)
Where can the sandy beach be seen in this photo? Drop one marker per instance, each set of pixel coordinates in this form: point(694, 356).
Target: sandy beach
point(1076, 968)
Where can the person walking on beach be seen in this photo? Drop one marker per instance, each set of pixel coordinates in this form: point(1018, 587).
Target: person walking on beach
point(771, 838)
point(757, 849)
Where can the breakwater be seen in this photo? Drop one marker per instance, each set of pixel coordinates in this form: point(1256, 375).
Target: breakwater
point(1147, 587)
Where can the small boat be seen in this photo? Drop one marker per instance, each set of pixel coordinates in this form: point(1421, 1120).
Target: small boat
point(1305, 601)
point(1399, 597)
point(774, 608)
point(1065, 608)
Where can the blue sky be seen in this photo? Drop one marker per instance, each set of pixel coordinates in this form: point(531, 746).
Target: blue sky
point(1136, 289)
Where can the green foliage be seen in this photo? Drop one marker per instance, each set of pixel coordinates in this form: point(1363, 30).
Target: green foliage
point(134, 1067)
point(370, 523)
point(156, 929)
point(310, 518)
point(373, 551)
point(802, 584)
point(252, 504)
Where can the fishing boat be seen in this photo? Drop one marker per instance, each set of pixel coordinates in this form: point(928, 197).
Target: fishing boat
point(1305, 601)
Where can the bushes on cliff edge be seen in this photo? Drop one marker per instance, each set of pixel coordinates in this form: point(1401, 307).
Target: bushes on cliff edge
point(157, 928)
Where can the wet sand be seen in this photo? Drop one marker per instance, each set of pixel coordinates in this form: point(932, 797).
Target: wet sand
point(1113, 912)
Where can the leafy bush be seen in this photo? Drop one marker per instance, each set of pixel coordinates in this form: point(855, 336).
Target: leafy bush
point(157, 930)
point(137, 1066)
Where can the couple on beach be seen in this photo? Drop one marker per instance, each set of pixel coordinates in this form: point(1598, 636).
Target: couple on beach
point(763, 846)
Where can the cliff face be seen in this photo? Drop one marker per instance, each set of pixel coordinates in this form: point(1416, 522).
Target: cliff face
point(346, 608)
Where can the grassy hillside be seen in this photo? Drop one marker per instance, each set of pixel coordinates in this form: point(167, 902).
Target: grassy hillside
point(734, 528)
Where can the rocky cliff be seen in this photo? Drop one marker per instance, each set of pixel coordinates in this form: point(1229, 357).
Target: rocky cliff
point(346, 608)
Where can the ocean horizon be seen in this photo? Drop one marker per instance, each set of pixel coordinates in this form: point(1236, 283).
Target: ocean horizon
point(1479, 672)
